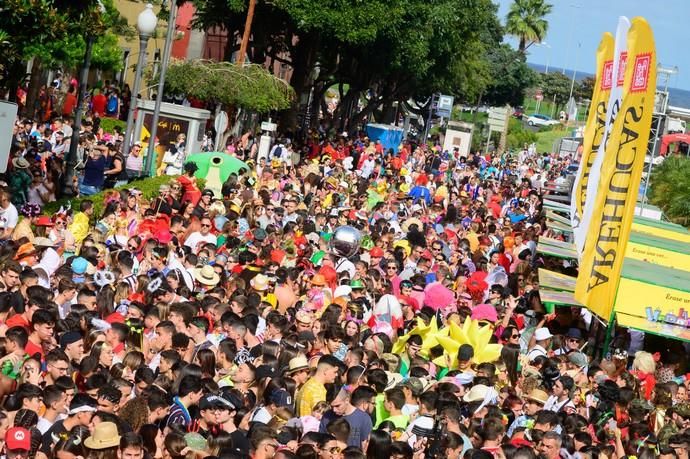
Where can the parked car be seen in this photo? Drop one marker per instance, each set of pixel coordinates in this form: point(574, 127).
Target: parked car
point(519, 112)
point(536, 119)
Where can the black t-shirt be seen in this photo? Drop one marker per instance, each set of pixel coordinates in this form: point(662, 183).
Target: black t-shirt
point(48, 442)
point(240, 441)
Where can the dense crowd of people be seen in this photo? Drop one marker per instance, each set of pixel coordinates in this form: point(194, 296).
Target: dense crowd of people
point(329, 304)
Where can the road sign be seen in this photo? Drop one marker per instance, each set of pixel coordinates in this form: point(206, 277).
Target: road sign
point(8, 114)
point(268, 126)
point(497, 118)
point(538, 95)
point(444, 106)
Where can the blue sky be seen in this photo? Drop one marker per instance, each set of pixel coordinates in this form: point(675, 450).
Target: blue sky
point(583, 21)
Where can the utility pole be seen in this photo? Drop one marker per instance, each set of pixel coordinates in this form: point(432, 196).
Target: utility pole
point(247, 32)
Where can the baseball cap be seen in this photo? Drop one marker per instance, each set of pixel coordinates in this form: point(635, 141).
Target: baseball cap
point(69, 338)
point(280, 398)
point(18, 438)
point(213, 401)
point(79, 265)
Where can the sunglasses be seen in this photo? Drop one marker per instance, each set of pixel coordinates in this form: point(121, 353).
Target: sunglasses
point(205, 225)
point(391, 267)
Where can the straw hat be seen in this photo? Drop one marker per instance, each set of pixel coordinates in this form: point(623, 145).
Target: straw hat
point(538, 395)
point(20, 163)
point(43, 242)
point(207, 276)
point(298, 363)
point(259, 282)
point(104, 436)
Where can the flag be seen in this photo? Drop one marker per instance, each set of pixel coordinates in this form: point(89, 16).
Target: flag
point(626, 147)
point(612, 109)
point(594, 132)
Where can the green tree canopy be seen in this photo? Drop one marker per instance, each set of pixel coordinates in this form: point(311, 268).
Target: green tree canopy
point(526, 21)
point(375, 51)
point(557, 85)
point(510, 76)
point(251, 86)
point(670, 188)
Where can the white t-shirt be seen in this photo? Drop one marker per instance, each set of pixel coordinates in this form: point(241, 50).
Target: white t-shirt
point(8, 217)
point(196, 237)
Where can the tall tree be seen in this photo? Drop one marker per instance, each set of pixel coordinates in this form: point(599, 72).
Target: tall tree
point(526, 20)
point(555, 86)
point(510, 76)
point(376, 52)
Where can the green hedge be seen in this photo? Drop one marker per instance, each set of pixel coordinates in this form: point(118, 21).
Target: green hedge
point(109, 125)
point(148, 187)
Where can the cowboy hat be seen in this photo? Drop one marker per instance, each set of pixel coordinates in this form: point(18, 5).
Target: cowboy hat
point(104, 436)
point(25, 250)
point(259, 282)
point(476, 394)
point(207, 276)
point(319, 280)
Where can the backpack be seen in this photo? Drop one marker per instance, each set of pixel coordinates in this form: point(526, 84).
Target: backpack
point(277, 153)
point(111, 107)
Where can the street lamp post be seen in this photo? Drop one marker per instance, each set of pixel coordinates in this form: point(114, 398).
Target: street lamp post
point(161, 87)
point(146, 25)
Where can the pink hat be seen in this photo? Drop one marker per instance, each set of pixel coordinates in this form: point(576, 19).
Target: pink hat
point(484, 312)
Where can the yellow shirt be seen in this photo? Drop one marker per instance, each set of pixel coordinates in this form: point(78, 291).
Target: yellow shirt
point(309, 395)
point(80, 227)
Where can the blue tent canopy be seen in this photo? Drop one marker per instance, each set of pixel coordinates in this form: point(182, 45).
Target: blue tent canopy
point(390, 136)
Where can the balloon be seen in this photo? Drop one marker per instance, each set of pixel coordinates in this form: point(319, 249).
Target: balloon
point(345, 241)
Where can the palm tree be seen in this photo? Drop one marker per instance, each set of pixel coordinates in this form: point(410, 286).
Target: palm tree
point(525, 20)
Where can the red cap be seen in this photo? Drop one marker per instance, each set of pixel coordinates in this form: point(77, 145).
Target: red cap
point(18, 438)
point(376, 252)
point(115, 317)
point(427, 255)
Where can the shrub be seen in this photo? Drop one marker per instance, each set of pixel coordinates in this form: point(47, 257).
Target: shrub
point(670, 188)
point(109, 125)
point(147, 186)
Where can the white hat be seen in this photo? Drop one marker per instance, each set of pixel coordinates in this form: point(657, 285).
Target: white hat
point(542, 334)
point(393, 379)
point(342, 290)
point(476, 394)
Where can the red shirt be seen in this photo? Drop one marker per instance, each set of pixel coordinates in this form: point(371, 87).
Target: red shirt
point(33, 349)
point(18, 320)
point(69, 104)
point(98, 103)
